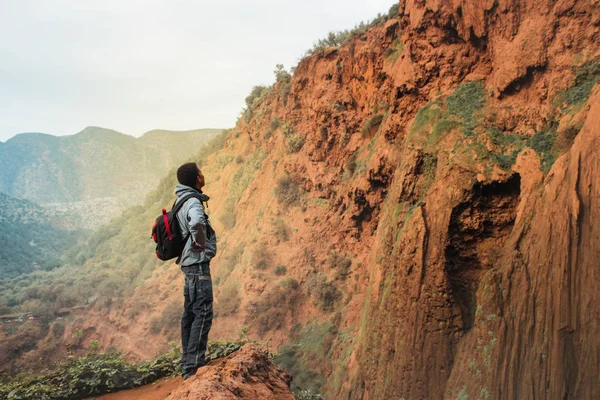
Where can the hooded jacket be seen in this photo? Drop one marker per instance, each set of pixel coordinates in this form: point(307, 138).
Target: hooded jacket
point(192, 221)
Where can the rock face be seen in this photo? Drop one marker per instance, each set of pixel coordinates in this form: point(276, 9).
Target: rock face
point(246, 374)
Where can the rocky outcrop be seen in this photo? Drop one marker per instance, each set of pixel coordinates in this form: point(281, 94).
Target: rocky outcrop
point(246, 374)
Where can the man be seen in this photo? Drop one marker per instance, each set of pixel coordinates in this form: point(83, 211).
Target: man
point(200, 248)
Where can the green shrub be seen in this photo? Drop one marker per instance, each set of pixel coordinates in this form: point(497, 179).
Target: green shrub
point(261, 258)
point(239, 159)
point(281, 230)
point(339, 38)
point(287, 192)
point(280, 270)
point(283, 80)
point(324, 293)
point(255, 94)
point(293, 140)
point(98, 374)
point(274, 124)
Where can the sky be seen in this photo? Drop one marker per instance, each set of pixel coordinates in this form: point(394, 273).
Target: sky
point(138, 65)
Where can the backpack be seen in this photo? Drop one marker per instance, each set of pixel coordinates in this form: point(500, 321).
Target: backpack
point(167, 233)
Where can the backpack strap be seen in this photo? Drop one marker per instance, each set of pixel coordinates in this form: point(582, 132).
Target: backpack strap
point(177, 206)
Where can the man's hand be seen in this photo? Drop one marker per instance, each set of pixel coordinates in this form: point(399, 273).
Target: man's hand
point(197, 246)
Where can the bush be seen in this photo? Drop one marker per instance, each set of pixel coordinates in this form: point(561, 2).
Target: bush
point(287, 192)
point(281, 230)
point(293, 140)
point(261, 258)
point(239, 159)
point(280, 270)
point(98, 374)
point(324, 293)
point(255, 94)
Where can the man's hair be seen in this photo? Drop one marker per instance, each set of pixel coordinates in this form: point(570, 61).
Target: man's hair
point(187, 174)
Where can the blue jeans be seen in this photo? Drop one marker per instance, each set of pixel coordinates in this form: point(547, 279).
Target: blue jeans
point(197, 317)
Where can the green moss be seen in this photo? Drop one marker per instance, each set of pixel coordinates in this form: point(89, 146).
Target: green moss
point(586, 77)
point(464, 104)
point(543, 142)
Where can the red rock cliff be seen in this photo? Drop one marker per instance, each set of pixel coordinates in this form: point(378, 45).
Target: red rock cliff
point(452, 155)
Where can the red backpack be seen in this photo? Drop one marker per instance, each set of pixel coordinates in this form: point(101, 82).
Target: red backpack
point(167, 233)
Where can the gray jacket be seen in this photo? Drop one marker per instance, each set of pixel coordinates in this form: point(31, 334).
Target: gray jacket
point(198, 248)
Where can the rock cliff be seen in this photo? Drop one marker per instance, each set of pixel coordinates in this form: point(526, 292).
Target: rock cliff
point(412, 213)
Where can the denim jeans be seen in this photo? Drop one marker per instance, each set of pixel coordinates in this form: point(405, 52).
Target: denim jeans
point(197, 317)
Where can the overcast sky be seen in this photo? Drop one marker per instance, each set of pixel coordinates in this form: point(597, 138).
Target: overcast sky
point(138, 65)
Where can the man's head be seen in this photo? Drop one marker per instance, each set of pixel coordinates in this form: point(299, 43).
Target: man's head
point(190, 175)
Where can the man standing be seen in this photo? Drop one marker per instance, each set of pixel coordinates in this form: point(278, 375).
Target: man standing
point(199, 249)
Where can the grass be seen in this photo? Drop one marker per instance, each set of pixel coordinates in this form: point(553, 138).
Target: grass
point(543, 142)
point(586, 76)
point(464, 104)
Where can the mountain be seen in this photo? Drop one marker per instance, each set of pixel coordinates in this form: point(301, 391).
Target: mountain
point(412, 214)
point(93, 163)
point(72, 174)
point(31, 237)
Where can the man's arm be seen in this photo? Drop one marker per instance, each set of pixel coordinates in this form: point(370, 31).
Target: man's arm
point(197, 223)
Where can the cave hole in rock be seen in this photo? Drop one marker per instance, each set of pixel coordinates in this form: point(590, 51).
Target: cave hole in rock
point(478, 230)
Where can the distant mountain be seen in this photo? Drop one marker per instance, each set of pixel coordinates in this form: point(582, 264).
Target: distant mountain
point(94, 164)
point(31, 237)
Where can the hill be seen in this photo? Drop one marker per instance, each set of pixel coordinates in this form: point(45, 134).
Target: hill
point(31, 237)
point(411, 214)
point(94, 164)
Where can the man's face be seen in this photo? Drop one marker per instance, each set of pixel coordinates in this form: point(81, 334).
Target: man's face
point(200, 179)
